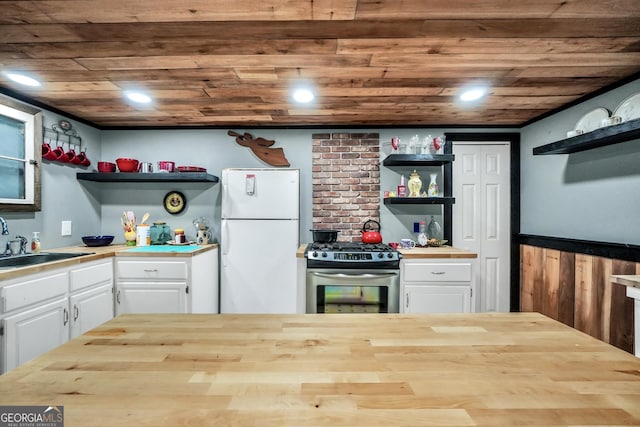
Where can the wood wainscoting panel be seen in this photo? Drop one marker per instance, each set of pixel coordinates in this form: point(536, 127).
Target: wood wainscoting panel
point(621, 330)
point(566, 288)
point(575, 289)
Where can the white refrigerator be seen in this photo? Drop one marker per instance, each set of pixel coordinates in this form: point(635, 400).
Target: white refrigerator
point(259, 239)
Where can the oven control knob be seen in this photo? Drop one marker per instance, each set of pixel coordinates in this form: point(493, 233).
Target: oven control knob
point(380, 255)
point(315, 254)
point(324, 254)
point(390, 255)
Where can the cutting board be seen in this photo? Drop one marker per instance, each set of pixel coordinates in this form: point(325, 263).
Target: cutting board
point(164, 249)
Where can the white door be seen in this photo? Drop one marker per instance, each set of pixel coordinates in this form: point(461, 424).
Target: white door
point(30, 333)
point(258, 266)
point(481, 217)
point(90, 309)
point(151, 298)
point(260, 193)
point(437, 299)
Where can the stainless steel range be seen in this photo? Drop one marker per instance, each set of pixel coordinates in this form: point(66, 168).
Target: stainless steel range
point(345, 277)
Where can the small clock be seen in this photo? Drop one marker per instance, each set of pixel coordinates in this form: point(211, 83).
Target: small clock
point(174, 202)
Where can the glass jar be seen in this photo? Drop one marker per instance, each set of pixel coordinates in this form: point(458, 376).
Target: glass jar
point(160, 233)
point(179, 235)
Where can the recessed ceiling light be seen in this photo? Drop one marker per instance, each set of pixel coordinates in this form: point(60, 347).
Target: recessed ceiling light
point(138, 97)
point(303, 95)
point(473, 94)
point(23, 80)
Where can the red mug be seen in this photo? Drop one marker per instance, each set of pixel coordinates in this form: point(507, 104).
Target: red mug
point(394, 245)
point(68, 156)
point(46, 149)
point(166, 166)
point(79, 158)
point(55, 154)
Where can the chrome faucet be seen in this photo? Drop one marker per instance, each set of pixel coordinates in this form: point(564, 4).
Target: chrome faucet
point(23, 244)
point(5, 227)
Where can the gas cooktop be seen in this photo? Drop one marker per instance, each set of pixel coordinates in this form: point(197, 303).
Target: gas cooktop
point(352, 255)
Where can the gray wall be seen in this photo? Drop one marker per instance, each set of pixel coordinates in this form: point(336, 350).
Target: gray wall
point(211, 149)
point(590, 195)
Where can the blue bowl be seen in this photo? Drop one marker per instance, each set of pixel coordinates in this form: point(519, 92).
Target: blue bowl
point(97, 240)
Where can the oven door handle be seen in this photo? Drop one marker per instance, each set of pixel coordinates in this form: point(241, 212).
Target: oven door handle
point(353, 276)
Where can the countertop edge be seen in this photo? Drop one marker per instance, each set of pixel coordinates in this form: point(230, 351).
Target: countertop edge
point(419, 253)
point(630, 280)
point(100, 252)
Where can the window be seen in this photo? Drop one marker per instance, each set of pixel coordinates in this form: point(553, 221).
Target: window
point(20, 153)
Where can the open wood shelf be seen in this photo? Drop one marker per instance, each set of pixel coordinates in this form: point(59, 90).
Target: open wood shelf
point(598, 138)
point(147, 177)
point(418, 159)
point(419, 200)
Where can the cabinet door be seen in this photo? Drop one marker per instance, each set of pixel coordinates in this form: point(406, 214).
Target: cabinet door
point(151, 297)
point(437, 299)
point(30, 333)
point(90, 309)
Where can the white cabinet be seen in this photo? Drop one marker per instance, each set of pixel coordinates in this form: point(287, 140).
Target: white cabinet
point(151, 297)
point(167, 284)
point(31, 332)
point(91, 296)
point(89, 309)
point(436, 285)
point(35, 316)
point(437, 299)
point(43, 310)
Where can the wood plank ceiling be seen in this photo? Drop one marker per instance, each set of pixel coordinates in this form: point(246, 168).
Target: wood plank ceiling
point(371, 62)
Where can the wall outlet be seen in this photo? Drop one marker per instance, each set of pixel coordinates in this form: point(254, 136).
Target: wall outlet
point(66, 228)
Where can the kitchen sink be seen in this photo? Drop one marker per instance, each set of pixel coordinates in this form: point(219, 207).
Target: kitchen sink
point(15, 261)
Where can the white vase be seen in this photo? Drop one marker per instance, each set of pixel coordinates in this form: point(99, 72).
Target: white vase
point(433, 185)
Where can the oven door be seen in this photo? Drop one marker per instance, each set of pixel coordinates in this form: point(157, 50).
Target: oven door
point(352, 291)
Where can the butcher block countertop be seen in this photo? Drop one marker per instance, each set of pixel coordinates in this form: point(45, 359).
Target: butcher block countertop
point(437, 252)
point(99, 252)
point(417, 253)
point(626, 280)
point(490, 369)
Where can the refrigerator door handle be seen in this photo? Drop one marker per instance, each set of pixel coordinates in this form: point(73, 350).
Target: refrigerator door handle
point(225, 199)
point(225, 238)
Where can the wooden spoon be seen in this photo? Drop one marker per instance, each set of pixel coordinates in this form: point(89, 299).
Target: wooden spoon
point(145, 217)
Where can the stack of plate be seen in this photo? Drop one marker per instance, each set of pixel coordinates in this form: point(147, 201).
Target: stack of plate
point(629, 109)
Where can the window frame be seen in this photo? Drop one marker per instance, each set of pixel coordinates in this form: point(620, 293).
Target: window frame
point(32, 117)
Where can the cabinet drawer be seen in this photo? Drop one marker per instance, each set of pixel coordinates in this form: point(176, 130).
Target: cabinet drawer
point(91, 275)
point(152, 270)
point(33, 291)
point(437, 272)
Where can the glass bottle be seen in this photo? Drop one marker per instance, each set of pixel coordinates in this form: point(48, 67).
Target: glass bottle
point(422, 234)
point(35, 242)
point(434, 231)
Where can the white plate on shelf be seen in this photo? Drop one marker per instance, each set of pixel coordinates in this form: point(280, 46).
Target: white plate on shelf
point(592, 120)
point(629, 109)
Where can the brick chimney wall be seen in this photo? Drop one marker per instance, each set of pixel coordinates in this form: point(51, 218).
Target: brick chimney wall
point(346, 182)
